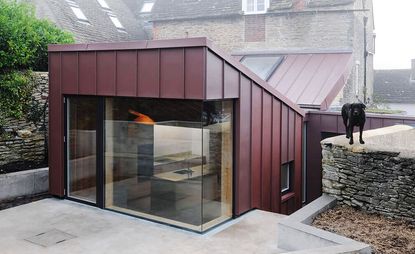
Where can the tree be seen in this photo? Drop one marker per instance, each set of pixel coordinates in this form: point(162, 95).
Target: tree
point(23, 47)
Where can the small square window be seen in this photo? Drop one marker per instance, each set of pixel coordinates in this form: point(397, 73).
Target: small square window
point(286, 177)
point(147, 7)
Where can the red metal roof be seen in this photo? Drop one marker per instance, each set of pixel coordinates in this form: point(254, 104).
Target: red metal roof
point(312, 80)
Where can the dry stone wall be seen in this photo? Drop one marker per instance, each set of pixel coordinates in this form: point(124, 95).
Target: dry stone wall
point(376, 181)
point(22, 143)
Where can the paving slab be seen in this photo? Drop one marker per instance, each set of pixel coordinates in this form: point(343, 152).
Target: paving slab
point(62, 226)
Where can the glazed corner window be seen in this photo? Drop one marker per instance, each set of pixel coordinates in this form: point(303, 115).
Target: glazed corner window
point(255, 6)
point(262, 65)
point(286, 172)
point(147, 7)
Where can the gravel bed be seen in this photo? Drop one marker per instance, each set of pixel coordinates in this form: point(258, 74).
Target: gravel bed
point(385, 235)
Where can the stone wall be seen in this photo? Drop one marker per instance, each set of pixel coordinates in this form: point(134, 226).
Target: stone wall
point(23, 143)
point(377, 177)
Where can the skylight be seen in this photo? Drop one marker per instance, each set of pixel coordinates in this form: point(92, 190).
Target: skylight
point(116, 22)
point(262, 65)
point(147, 7)
point(77, 11)
point(103, 4)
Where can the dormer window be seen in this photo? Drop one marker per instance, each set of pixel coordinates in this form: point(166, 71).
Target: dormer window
point(255, 6)
point(147, 7)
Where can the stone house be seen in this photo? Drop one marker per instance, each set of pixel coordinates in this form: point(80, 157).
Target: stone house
point(278, 27)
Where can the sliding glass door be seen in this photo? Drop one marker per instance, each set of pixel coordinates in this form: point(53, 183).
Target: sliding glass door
point(82, 148)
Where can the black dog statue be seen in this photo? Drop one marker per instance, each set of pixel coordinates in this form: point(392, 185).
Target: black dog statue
point(354, 115)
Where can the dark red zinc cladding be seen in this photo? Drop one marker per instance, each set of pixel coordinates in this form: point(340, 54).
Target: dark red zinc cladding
point(268, 127)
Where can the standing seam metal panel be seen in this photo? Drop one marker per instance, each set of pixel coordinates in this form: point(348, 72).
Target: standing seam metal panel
point(243, 149)
point(87, 73)
point(126, 73)
point(256, 146)
point(56, 172)
point(276, 156)
point(266, 151)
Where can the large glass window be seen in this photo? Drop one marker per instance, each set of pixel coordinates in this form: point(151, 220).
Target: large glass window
point(81, 147)
point(169, 160)
point(217, 171)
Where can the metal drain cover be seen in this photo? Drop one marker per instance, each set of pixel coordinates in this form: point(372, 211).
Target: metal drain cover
point(50, 238)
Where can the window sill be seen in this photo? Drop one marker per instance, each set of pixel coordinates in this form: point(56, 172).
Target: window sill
point(255, 13)
point(287, 196)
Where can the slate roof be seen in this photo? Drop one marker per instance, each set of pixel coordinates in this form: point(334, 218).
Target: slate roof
point(394, 86)
point(100, 29)
point(189, 9)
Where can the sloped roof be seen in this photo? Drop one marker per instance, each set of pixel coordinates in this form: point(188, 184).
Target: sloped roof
point(187, 9)
point(394, 86)
point(101, 28)
point(312, 80)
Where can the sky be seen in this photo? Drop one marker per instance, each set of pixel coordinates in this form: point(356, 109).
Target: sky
point(395, 33)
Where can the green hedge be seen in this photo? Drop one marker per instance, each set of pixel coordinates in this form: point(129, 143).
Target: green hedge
point(23, 47)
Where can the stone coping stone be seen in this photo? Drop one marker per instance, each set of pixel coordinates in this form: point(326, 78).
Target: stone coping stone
point(24, 183)
point(397, 139)
point(297, 236)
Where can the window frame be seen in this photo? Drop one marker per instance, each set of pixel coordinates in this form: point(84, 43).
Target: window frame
point(289, 178)
point(146, 4)
point(255, 11)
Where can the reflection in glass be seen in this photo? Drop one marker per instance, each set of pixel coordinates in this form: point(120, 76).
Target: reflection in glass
point(217, 171)
point(162, 164)
point(153, 157)
point(82, 129)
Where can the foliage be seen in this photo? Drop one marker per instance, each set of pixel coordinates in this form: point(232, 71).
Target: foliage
point(15, 92)
point(24, 38)
point(23, 46)
point(36, 112)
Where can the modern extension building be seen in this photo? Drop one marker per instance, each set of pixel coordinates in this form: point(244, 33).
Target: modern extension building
point(174, 131)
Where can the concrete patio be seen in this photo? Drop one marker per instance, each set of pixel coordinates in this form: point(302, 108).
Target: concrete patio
point(62, 226)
